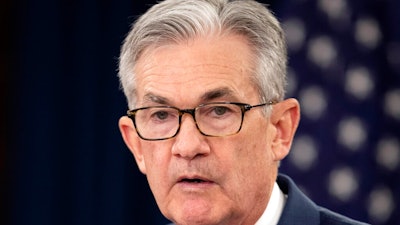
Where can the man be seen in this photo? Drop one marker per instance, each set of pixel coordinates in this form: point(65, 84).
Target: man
point(208, 123)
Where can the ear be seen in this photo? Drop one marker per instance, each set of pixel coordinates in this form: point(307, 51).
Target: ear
point(132, 141)
point(285, 118)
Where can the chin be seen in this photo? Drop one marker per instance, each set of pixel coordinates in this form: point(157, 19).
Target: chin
point(195, 214)
point(196, 221)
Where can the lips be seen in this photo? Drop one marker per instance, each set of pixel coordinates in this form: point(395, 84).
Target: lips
point(195, 184)
point(194, 180)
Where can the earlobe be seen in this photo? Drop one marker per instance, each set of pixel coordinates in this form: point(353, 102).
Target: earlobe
point(131, 140)
point(285, 118)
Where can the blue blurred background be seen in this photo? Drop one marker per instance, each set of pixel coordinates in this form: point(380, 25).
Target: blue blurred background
point(62, 160)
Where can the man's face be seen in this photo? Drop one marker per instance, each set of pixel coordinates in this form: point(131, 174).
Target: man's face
point(197, 179)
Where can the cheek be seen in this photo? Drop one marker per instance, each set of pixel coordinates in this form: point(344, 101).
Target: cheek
point(156, 159)
point(255, 145)
point(254, 155)
point(155, 152)
point(251, 172)
point(247, 155)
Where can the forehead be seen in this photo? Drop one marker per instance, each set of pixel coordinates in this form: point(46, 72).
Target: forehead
point(198, 70)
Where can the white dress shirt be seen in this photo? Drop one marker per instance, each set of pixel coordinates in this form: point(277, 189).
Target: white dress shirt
point(274, 208)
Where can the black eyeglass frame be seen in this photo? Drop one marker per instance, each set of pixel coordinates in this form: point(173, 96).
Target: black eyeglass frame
point(243, 106)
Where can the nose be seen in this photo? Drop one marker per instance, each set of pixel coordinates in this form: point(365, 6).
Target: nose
point(189, 142)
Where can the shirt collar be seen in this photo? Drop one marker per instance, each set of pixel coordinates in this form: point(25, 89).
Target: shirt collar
point(274, 208)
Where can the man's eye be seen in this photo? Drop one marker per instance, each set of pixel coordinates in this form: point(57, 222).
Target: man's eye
point(160, 115)
point(220, 110)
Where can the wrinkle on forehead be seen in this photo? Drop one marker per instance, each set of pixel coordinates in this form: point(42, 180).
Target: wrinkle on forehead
point(200, 49)
point(187, 72)
point(178, 72)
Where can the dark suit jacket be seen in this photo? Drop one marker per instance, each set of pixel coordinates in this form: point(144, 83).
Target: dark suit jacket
point(300, 210)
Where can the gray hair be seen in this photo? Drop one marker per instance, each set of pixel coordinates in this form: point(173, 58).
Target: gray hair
point(174, 21)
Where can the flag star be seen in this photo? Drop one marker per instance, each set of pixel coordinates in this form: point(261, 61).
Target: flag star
point(343, 183)
point(295, 33)
point(380, 204)
point(352, 133)
point(304, 152)
point(367, 32)
point(359, 82)
point(322, 52)
point(313, 102)
point(392, 103)
point(388, 153)
point(335, 9)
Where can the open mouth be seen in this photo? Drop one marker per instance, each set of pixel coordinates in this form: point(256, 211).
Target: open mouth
point(196, 180)
point(192, 183)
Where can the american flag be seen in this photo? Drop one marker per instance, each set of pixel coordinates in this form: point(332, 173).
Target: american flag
point(344, 68)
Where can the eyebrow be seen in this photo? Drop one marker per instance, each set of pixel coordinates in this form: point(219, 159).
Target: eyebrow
point(217, 93)
point(150, 97)
point(206, 97)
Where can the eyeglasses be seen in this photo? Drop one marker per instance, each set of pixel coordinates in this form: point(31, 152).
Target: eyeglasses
point(216, 119)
